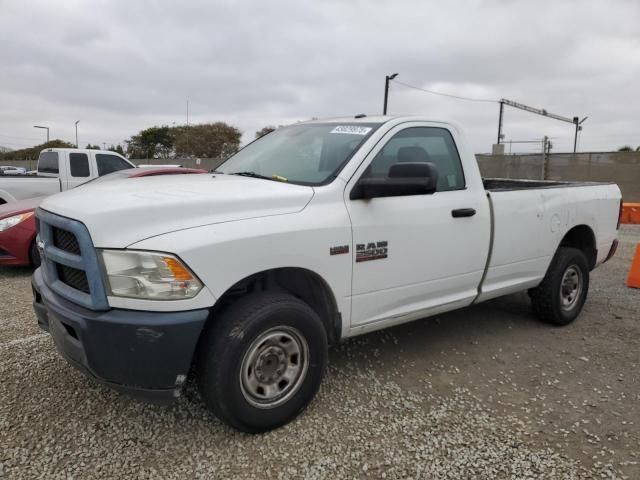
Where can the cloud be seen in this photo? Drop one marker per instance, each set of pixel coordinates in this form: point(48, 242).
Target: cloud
point(120, 66)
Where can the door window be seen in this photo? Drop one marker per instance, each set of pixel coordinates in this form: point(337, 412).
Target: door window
point(421, 144)
point(79, 164)
point(110, 163)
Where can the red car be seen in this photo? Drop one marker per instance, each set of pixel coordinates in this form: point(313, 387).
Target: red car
point(18, 222)
point(18, 233)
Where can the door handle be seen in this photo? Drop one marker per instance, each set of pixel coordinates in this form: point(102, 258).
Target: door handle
point(463, 212)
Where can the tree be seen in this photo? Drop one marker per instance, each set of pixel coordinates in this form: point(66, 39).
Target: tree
point(638, 148)
point(92, 147)
point(207, 140)
point(32, 153)
point(626, 148)
point(117, 149)
point(153, 142)
point(264, 130)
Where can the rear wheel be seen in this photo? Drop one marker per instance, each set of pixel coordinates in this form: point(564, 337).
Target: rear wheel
point(561, 295)
point(262, 361)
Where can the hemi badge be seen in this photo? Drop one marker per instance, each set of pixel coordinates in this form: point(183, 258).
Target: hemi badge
point(339, 250)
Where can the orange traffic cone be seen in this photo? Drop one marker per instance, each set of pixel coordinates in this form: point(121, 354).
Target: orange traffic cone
point(634, 274)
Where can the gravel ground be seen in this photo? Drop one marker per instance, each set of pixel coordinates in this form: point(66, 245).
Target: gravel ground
point(485, 392)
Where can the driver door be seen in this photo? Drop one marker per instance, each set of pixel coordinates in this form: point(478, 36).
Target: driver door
point(412, 256)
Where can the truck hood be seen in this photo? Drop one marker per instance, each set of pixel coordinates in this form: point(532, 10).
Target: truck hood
point(121, 212)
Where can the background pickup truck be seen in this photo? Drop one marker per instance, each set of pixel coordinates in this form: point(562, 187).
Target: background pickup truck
point(60, 169)
point(311, 234)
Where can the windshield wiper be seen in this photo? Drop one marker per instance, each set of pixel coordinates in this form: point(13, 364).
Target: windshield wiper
point(277, 178)
point(251, 174)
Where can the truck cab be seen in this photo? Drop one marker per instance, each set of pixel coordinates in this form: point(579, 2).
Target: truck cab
point(76, 166)
point(61, 169)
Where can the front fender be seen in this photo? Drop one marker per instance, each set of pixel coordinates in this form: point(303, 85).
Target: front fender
point(226, 253)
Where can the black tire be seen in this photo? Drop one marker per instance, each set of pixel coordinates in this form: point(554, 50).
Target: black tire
point(231, 339)
point(34, 255)
point(552, 303)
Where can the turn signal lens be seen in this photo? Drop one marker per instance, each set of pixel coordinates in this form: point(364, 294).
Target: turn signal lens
point(179, 271)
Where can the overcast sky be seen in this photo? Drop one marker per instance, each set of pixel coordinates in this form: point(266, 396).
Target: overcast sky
point(121, 66)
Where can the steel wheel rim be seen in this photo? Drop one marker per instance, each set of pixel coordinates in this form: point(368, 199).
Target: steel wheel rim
point(274, 367)
point(570, 287)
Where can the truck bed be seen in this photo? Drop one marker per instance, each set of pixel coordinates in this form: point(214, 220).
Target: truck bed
point(4, 175)
point(529, 220)
point(508, 184)
point(19, 187)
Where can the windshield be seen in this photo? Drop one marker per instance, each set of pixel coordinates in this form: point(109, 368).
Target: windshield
point(306, 154)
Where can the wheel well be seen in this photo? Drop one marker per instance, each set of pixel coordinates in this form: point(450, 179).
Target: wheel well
point(299, 282)
point(582, 238)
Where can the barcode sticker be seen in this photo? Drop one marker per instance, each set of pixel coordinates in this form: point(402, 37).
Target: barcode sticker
point(351, 129)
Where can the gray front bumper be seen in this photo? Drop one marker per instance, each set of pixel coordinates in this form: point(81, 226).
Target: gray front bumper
point(147, 354)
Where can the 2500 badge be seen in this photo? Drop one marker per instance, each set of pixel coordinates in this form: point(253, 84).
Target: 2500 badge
point(371, 251)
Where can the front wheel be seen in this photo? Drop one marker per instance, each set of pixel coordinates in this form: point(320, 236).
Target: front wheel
point(561, 295)
point(262, 361)
point(34, 255)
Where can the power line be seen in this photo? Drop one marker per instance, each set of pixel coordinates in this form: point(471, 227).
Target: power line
point(458, 97)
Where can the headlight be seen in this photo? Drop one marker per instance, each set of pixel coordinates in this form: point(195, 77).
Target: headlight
point(148, 275)
point(7, 223)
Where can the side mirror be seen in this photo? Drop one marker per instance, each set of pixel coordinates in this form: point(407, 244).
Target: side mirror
point(411, 178)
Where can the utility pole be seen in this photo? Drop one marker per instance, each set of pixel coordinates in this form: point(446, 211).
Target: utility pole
point(104, 145)
point(545, 140)
point(77, 122)
point(387, 78)
point(46, 128)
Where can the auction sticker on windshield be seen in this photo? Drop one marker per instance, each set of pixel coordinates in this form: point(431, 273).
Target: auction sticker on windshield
point(351, 129)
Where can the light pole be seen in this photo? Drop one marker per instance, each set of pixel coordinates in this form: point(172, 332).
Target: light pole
point(578, 128)
point(500, 122)
point(77, 122)
point(387, 78)
point(46, 128)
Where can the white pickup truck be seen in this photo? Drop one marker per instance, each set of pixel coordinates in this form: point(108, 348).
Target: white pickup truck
point(61, 169)
point(310, 235)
